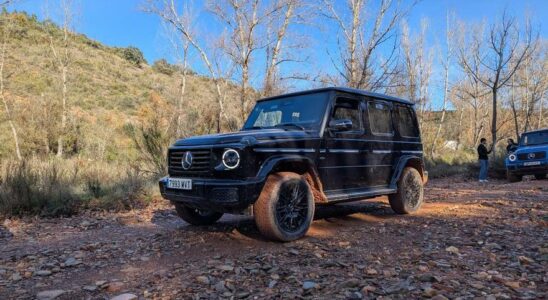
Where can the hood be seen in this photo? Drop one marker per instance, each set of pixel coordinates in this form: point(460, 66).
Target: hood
point(248, 137)
point(528, 149)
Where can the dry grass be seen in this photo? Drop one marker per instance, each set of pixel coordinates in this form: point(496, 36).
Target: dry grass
point(62, 187)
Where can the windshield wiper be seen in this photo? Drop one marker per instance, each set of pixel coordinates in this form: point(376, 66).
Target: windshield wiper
point(290, 125)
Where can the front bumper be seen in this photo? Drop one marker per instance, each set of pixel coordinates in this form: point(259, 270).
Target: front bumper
point(221, 195)
point(518, 168)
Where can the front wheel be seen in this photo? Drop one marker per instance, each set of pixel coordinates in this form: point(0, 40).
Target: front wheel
point(511, 177)
point(285, 208)
point(196, 216)
point(410, 193)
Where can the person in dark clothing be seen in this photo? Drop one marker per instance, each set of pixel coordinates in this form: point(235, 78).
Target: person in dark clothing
point(483, 156)
point(512, 146)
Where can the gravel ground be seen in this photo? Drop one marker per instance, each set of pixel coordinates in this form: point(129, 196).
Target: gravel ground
point(469, 241)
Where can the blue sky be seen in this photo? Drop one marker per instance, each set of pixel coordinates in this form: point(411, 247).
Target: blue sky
point(122, 22)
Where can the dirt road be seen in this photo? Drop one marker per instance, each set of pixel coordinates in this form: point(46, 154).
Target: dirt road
point(487, 241)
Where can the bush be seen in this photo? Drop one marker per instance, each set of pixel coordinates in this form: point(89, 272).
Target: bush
point(62, 187)
point(117, 189)
point(463, 163)
point(133, 55)
point(36, 188)
point(164, 67)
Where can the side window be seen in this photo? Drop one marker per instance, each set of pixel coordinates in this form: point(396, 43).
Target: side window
point(405, 122)
point(348, 109)
point(380, 118)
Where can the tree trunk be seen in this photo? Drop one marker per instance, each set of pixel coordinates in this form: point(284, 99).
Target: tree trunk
point(459, 129)
point(60, 141)
point(245, 79)
point(514, 111)
point(494, 122)
point(445, 91)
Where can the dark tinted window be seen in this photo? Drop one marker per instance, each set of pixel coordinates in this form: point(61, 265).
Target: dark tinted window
point(380, 118)
point(534, 138)
point(405, 121)
point(348, 109)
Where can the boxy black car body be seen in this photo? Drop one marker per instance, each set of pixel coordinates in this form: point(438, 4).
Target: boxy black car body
point(348, 144)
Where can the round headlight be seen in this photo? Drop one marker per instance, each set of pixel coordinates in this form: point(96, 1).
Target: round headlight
point(231, 159)
point(512, 157)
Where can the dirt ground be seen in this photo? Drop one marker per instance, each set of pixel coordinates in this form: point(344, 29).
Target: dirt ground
point(469, 241)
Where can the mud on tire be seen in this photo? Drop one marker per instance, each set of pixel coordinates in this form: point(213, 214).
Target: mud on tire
point(410, 193)
point(285, 208)
point(196, 216)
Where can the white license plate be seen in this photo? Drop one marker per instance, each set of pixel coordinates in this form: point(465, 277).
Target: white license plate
point(179, 183)
point(531, 163)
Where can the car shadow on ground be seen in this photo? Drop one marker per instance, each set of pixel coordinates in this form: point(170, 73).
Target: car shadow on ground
point(245, 225)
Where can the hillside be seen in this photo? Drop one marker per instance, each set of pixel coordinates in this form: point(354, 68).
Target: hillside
point(106, 88)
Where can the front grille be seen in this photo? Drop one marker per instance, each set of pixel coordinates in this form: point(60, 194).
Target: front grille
point(201, 163)
point(538, 155)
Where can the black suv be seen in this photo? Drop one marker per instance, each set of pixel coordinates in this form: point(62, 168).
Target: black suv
point(296, 151)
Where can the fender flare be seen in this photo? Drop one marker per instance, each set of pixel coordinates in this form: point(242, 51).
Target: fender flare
point(310, 174)
point(402, 163)
point(273, 161)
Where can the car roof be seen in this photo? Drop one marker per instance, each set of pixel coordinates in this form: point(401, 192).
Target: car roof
point(345, 90)
point(536, 131)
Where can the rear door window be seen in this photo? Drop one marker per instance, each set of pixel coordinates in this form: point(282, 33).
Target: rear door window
point(380, 118)
point(405, 121)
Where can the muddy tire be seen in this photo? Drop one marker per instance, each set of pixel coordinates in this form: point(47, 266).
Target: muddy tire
point(511, 177)
point(285, 208)
point(410, 193)
point(197, 217)
point(540, 176)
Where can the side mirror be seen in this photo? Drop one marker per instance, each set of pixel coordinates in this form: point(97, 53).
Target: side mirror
point(340, 125)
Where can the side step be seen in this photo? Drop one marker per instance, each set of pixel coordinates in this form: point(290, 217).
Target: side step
point(340, 196)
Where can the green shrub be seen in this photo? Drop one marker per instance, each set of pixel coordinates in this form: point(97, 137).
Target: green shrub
point(61, 187)
point(133, 55)
point(164, 67)
point(36, 188)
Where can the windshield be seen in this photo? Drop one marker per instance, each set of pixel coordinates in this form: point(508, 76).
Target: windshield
point(534, 138)
point(303, 112)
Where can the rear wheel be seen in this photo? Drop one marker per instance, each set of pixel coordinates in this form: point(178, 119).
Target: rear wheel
point(285, 208)
point(196, 216)
point(540, 176)
point(410, 193)
point(513, 177)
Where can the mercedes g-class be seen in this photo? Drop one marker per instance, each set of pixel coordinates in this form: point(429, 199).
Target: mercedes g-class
point(298, 151)
point(530, 158)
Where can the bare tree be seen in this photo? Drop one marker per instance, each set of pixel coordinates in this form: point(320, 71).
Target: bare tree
point(180, 47)
point(278, 24)
point(6, 21)
point(61, 54)
point(169, 12)
point(532, 83)
point(446, 62)
point(496, 62)
point(246, 21)
point(360, 41)
point(417, 68)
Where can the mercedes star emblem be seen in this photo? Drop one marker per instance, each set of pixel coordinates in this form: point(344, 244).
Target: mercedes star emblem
point(186, 162)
